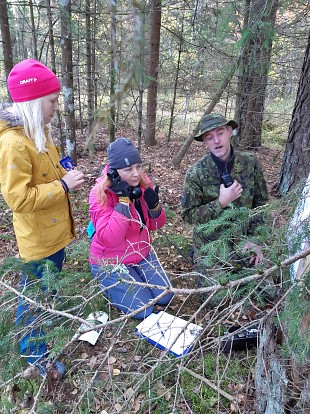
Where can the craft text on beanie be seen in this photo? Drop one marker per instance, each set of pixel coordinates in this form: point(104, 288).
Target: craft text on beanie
point(122, 153)
point(30, 79)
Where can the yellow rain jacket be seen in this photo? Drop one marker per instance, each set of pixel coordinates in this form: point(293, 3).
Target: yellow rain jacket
point(42, 216)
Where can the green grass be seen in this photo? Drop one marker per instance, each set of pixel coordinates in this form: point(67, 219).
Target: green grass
point(204, 399)
point(180, 243)
point(156, 389)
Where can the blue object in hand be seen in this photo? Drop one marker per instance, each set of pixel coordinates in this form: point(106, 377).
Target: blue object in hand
point(67, 163)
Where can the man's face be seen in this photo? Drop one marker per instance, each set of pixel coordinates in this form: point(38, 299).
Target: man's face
point(218, 141)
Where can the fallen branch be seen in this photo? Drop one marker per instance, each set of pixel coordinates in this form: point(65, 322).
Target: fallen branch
point(209, 383)
point(211, 289)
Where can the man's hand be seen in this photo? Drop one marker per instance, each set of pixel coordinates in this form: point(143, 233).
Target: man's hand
point(227, 195)
point(257, 255)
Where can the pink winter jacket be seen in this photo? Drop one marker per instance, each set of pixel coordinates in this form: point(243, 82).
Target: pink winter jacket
point(118, 239)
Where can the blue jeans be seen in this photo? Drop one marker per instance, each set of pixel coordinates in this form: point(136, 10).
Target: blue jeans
point(33, 344)
point(128, 298)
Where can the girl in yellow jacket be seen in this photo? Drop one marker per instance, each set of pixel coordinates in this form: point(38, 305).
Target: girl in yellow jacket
point(35, 186)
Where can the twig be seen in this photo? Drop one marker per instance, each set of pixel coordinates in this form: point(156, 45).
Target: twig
point(36, 398)
point(150, 409)
point(49, 310)
point(211, 289)
point(91, 381)
point(210, 384)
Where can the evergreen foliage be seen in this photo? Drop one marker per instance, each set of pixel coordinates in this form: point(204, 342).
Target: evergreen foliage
point(71, 291)
point(224, 260)
point(297, 310)
point(229, 229)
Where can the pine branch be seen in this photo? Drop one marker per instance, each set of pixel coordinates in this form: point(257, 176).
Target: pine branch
point(212, 289)
point(45, 309)
point(183, 291)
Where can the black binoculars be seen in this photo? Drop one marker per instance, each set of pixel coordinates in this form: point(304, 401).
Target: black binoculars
point(134, 192)
point(227, 180)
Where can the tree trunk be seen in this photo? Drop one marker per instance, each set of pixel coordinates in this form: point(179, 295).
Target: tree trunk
point(255, 60)
point(95, 29)
point(51, 35)
point(53, 68)
point(282, 385)
point(90, 89)
point(296, 159)
point(114, 71)
point(67, 76)
point(176, 81)
point(6, 38)
point(141, 79)
point(33, 32)
point(78, 73)
point(155, 18)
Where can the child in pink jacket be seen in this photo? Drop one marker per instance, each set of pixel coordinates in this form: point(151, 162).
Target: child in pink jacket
point(124, 208)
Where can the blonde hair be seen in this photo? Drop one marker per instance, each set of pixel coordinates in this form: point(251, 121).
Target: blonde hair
point(106, 183)
point(34, 127)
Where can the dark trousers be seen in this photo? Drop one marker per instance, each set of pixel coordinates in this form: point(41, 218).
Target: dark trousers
point(32, 344)
point(128, 298)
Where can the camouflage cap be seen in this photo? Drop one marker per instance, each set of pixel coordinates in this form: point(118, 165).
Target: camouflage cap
point(212, 121)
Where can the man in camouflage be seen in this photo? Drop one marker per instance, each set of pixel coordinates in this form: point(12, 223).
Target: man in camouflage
point(223, 177)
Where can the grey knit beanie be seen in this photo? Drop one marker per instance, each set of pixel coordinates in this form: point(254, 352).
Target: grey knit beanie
point(122, 153)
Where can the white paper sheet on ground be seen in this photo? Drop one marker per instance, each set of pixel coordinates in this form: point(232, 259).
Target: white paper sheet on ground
point(299, 233)
point(168, 332)
point(95, 318)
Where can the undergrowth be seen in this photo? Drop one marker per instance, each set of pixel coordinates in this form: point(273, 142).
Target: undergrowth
point(124, 373)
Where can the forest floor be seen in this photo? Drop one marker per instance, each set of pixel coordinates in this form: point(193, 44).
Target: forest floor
point(129, 362)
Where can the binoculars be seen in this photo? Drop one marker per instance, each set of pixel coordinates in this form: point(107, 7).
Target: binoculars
point(227, 180)
point(134, 192)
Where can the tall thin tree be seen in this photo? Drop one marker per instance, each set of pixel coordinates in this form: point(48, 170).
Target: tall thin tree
point(155, 17)
point(141, 80)
point(114, 70)
point(89, 69)
point(6, 38)
point(95, 28)
point(258, 35)
point(33, 31)
point(67, 76)
point(53, 65)
point(177, 74)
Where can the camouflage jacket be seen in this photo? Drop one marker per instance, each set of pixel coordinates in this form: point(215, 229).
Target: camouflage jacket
point(200, 202)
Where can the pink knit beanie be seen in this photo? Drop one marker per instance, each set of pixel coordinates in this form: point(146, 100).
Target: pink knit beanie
point(30, 79)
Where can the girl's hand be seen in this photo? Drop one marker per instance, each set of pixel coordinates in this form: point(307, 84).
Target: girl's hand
point(151, 198)
point(120, 188)
point(74, 179)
